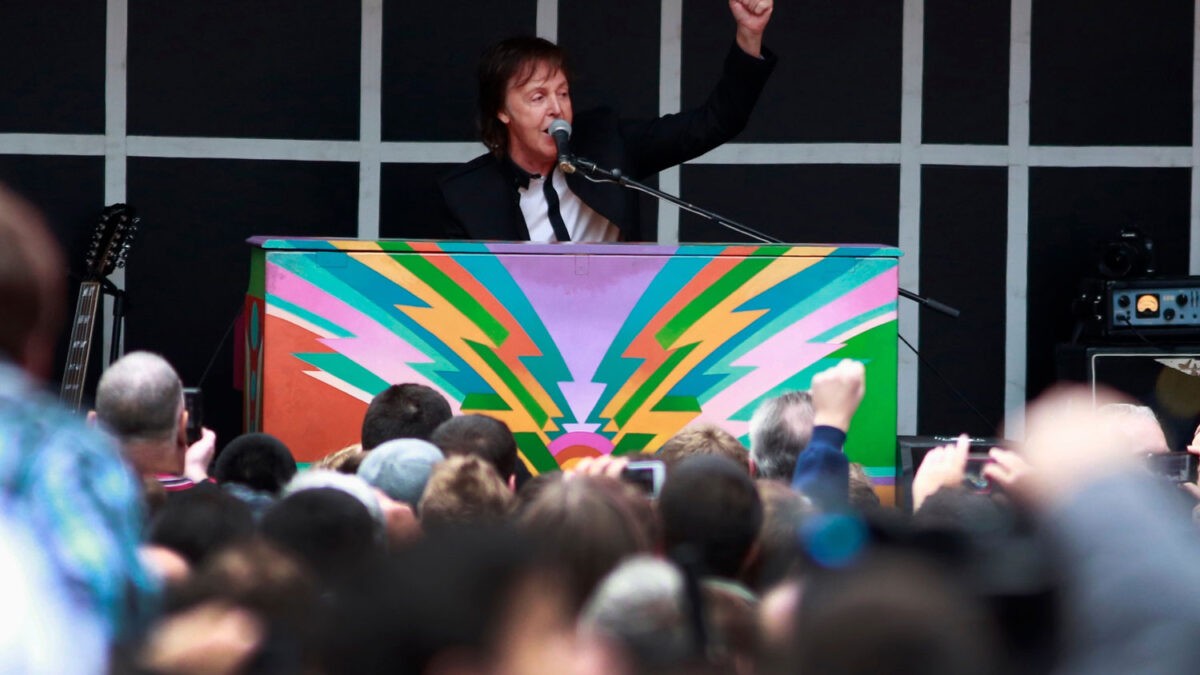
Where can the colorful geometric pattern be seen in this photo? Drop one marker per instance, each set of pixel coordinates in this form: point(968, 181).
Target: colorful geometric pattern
point(582, 349)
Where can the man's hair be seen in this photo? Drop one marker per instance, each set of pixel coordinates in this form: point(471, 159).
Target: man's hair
point(327, 529)
point(200, 522)
point(1128, 418)
point(140, 398)
point(710, 505)
point(780, 551)
point(403, 411)
point(482, 436)
point(640, 605)
point(511, 62)
point(259, 461)
point(779, 431)
point(862, 490)
point(703, 439)
point(464, 490)
point(346, 460)
point(32, 275)
point(588, 524)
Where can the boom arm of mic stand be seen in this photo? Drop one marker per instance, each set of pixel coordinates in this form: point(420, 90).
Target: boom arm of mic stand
point(596, 173)
point(593, 172)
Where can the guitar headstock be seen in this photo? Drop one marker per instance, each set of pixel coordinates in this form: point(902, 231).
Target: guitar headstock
point(111, 240)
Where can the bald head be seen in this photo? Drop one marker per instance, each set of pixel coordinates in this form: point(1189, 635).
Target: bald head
point(32, 286)
point(140, 398)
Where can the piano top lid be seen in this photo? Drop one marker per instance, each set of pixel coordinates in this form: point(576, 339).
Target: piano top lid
point(527, 248)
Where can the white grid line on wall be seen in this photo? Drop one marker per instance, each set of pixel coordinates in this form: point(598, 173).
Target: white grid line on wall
point(910, 154)
point(370, 118)
point(116, 46)
point(909, 226)
point(1017, 254)
point(670, 100)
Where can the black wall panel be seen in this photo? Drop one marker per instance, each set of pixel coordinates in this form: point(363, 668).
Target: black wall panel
point(187, 280)
point(262, 69)
point(964, 236)
point(808, 203)
point(614, 54)
point(69, 191)
point(53, 56)
point(965, 83)
point(430, 53)
point(838, 77)
point(1072, 213)
point(410, 205)
point(1111, 72)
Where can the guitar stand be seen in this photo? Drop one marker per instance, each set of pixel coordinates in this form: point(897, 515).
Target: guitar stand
point(108, 288)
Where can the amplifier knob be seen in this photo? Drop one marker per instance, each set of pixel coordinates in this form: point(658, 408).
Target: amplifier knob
point(1168, 314)
point(1182, 299)
point(1123, 301)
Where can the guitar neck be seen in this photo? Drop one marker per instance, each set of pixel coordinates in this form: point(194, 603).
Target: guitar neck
point(78, 352)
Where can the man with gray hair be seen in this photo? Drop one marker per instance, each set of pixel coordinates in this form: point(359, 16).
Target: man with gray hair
point(779, 430)
point(1138, 426)
point(140, 401)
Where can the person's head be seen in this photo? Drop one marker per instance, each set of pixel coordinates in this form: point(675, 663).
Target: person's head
point(779, 550)
point(140, 400)
point(259, 461)
point(464, 490)
point(588, 524)
point(709, 504)
point(1138, 426)
point(703, 439)
point(198, 523)
point(482, 436)
point(891, 614)
point(641, 606)
point(524, 84)
point(352, 485)
point(330, 531)
point(862, 490)
point(401, 468)
point(32, 286)
point(465, 601)
point(345, 460)
point(403, 411)
point(779, 430)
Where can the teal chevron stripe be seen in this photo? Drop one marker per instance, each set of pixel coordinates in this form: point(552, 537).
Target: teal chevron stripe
point(510, 380)
point(615, 368)
point(345, 370)
point(550, 368)
point(639, 397)
point(456, 295)
point(308, 316)
point(709, 298)
point(856, 321)
point(377, 297)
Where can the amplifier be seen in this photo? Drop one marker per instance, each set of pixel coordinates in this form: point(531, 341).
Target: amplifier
point(1152, 305)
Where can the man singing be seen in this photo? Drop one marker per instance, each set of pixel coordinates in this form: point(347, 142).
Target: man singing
point(515, 191)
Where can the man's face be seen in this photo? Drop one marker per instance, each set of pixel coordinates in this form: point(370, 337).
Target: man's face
point(528, 110)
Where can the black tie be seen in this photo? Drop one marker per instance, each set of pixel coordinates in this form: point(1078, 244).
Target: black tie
point(556, 221)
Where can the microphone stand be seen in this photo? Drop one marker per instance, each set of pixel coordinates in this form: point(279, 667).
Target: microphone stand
point(598, 174)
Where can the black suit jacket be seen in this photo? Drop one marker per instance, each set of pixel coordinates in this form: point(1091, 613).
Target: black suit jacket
point(482, 201)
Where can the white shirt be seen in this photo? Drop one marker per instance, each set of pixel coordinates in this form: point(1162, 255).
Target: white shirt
point(583, 223)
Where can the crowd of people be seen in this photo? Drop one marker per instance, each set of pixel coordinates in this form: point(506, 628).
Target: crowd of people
point(429, 548)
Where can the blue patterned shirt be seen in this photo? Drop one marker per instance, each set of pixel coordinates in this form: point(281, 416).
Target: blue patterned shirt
point(69, 485)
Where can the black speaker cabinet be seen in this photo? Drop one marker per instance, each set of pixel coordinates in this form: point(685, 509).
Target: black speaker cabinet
point(1166, 378)
point(910, 452)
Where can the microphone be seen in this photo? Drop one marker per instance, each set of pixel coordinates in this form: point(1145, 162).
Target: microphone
point(560, 131)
